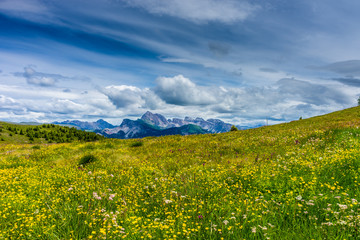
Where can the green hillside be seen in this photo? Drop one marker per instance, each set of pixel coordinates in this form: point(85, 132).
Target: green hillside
point(45, 133)
point(298, 180)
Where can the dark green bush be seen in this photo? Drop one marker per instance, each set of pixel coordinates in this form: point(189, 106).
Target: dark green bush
point(137, 144)
point(233, 128)
point(36, 147)
point(87, 159)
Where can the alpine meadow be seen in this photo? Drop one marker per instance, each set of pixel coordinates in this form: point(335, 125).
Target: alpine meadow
point(297, 180)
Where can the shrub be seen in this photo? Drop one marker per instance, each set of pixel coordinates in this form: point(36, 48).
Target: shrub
point(137, 144)
point(233, 128)
point(36, 147)
point(87, 159)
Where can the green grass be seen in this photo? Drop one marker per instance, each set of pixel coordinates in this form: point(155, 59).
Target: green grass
point(45, 133)
point(297, 180)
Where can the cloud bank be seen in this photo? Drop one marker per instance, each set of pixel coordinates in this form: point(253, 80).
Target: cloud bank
point(287, 99)
point(350, 67)
point(199, 11)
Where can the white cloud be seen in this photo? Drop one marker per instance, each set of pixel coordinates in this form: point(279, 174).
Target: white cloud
point(24, 6)
point(124, 96)
point(32, 77)
point(6, 100)
point(33, 10)
point(41, 81)
point(199, 11)
point(175, 60)
point(180, 90)
point(287, 99)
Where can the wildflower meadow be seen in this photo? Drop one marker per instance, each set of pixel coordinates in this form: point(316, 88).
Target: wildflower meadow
point(297, 180)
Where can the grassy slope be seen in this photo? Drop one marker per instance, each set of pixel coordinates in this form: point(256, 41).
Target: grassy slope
point(297, 180)
point(7, 136)
point(17, 133)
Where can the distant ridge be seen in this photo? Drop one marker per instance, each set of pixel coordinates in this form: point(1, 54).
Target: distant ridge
point(210, 125)
point(152, 124)
point(99, 124)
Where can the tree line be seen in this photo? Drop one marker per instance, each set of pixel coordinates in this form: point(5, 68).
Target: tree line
point(53, 133)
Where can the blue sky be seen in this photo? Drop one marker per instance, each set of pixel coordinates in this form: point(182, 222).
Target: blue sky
point(240, 61)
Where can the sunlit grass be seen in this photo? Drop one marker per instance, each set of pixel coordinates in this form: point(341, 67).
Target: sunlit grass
point(298, 180)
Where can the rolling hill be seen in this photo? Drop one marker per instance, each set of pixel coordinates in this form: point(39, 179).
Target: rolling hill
point(297, 180)
point(45, 133)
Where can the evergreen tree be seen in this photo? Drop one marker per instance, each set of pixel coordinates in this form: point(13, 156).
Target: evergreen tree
point(233, 128)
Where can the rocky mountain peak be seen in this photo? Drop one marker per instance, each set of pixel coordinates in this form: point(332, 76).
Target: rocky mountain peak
point(155, 119)
point(188, 119)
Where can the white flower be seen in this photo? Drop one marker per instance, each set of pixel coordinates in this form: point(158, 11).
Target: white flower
point(96, 196)
point(167, 201)
point(263, 228)
point(342, 222)
point(225, 222)
point(271, 225)
point(111, 197)
point(253, 229)
point(299, 197)
point(342, 206)
point(327, 223)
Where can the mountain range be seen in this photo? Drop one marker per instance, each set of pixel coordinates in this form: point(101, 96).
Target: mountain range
point(151, 124)
point(91, 126)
